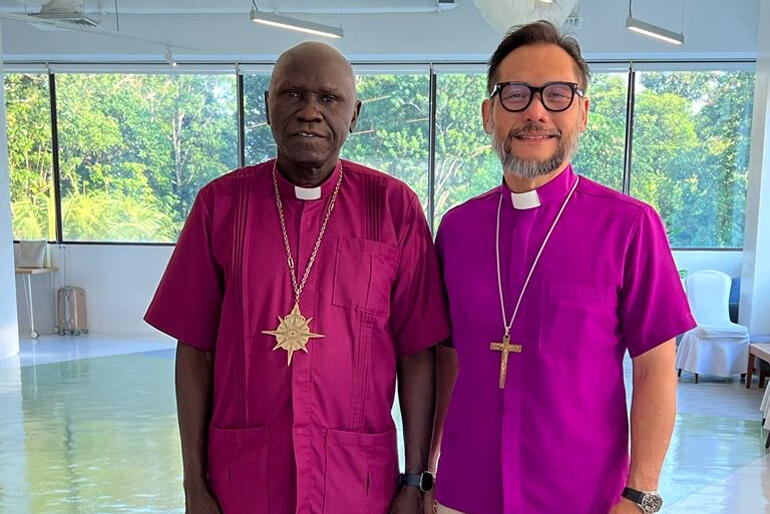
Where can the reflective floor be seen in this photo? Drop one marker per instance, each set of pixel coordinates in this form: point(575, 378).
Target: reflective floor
point(89, 425)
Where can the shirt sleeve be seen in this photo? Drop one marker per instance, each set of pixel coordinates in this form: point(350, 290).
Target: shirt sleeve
point(419, 317)
point(653, 303)
point(188, 300)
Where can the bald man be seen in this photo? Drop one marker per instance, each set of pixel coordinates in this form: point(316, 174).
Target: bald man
point(298, 290)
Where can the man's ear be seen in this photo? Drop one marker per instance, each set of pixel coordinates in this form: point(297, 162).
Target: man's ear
point(486, 115)
point(267, 107)
point(584, 113)
point(356, 113)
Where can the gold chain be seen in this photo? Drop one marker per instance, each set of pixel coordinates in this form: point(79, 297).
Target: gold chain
point(298, 288)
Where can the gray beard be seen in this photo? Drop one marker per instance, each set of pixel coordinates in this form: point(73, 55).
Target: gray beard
point(532, 168)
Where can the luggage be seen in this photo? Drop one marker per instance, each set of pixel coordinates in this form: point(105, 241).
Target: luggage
point(71, 311)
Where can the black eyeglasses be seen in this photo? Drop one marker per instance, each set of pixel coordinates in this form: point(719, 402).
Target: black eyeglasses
point(555, 96)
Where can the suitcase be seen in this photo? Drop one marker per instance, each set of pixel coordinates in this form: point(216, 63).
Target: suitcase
point(71, 311)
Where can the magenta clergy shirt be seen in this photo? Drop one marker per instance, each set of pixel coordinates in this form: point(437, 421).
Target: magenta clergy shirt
point(555, 439)
point(317, 436)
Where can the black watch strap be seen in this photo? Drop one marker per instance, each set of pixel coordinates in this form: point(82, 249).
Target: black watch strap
point(422, 481)
point(633, 495)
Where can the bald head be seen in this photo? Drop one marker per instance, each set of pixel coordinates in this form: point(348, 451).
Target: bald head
point(315, 55)
point(312, 107)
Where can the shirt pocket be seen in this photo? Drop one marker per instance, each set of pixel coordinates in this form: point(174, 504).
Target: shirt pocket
point(364, 271)
point(238, 468)
point(577, 319)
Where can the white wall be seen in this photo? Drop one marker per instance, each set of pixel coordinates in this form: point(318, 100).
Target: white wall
point(713, 28)
point(120, 281)
point(9, 339)
point(755, 296)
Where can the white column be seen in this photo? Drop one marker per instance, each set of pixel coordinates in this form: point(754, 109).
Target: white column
point(755, 274)
point(9, 330)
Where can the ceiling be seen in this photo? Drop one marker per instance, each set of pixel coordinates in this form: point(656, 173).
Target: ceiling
point(235, 6)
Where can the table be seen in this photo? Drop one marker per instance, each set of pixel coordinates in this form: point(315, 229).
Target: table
point(761, 350)
point(27, 274)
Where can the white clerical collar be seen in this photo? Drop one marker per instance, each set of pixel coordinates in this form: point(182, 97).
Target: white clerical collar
point(307, 193)
point(526, 200)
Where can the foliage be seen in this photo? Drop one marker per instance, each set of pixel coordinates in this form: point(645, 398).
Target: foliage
point(135, 149)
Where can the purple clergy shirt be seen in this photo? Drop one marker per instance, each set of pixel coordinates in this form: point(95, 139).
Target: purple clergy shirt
point(555, 439)
point(316, 436)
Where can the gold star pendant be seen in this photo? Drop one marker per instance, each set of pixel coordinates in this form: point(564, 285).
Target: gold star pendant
point(293, 332)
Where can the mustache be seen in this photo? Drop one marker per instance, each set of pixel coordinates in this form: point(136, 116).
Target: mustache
point(534, 128)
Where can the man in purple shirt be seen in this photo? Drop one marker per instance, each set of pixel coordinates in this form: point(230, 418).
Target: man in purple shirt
point(299, 289)
point(551, 278)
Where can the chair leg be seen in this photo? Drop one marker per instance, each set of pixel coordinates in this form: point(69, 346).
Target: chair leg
point(696, 378)
point(767, 442)
point(679, 373)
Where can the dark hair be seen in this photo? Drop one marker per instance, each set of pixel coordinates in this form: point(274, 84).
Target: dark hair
point(539, 32)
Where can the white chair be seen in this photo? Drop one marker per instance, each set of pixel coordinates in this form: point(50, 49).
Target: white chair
point(716, 346)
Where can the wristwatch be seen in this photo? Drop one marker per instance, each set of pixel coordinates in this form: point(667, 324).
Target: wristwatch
point(648, 501)
point(423, 481)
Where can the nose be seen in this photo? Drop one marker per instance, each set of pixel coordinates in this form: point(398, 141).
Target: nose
point(309, 110)
point(536, 110)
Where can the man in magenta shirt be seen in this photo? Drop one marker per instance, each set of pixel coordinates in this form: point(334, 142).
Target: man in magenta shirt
point(551, 278)
point(298, 289)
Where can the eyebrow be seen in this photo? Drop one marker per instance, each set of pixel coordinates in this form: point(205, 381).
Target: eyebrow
point(320, 89)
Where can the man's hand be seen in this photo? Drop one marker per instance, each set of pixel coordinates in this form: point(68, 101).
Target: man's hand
point(429, 502)
point(625, 506)
point(201, 502)
point(407, 501)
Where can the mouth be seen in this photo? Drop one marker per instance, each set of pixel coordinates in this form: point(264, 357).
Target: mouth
point(530, 136)
point(309, 135)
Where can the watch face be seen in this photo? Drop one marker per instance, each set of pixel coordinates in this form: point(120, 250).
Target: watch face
point(426, 481)
point(652, 502)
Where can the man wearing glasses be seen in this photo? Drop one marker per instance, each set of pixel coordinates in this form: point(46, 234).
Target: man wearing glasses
point(551, 278)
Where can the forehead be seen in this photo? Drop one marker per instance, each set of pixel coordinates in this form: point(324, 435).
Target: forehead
point(537, 64)
point(317, 71)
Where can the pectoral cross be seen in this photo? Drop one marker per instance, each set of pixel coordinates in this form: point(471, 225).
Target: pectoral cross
point(505, 348)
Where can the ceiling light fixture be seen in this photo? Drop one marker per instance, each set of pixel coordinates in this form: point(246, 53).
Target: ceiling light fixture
point(285, 22)
point(651, 30)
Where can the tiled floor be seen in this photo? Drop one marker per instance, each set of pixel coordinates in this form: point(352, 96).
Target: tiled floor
point(89, 425)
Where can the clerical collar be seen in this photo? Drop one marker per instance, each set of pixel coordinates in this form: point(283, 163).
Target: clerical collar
point(291, 191)
point(551, 192)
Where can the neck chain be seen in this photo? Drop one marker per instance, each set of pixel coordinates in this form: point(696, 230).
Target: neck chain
point(505, 346)
point(293, 330)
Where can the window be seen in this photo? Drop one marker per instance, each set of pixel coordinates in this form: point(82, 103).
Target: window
point(392, 133)
point(28, 112)
point(259, 142)
point(690, 159)
point(601, 150)
point(466, 166)
point(135, 149)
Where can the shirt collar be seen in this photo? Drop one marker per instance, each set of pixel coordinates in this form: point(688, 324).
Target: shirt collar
point(553, 191)
point(289, 190)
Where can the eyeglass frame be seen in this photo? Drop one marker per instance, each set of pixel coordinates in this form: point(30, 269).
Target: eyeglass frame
point(574, 87)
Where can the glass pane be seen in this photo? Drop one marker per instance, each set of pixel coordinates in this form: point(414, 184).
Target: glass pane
point(392, 134)
point(602, 146)
point(691, 152)
point(466, 166)
point(28, 112)
point(135, 150)
point(260, 145)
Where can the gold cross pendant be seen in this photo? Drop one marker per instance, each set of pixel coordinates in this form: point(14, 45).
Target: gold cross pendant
point(505, 348)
